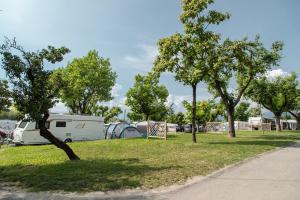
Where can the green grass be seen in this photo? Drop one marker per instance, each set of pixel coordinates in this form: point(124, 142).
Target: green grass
point(131, 163)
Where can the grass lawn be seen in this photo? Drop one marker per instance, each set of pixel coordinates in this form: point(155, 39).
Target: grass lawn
point(131, 163)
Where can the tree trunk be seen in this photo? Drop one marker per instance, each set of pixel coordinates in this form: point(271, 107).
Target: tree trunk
point(298, 122)
point(277, 121)
point(57, 142)
point(194, 113)
point(230, 118)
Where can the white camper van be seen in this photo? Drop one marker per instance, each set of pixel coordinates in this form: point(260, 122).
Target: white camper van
point(67, 128)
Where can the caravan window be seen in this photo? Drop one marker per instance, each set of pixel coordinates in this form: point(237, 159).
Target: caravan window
point(22, 124)
point(47, 124)
point(61, 124)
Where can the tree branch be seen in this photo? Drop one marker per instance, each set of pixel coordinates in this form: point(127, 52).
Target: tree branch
point(241, 92)
point(223, 96)
point(294, 114)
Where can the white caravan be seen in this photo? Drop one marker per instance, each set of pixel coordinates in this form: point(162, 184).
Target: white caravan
point(67, 128)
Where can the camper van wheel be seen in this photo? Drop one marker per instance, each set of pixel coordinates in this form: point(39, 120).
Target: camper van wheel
point(68, 140)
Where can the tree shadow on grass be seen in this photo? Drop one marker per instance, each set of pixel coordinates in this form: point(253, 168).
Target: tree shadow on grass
point(81, 176)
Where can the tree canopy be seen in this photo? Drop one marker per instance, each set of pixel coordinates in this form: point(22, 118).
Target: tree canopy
point(185, 54)
point(33, 92)
point(242, 111)
point(239, 61)
point(295, 109)
point(85, 81)
point(5, 96)
point(276, 94)
point(207, 111)
point(108, 113)
point(147, 97)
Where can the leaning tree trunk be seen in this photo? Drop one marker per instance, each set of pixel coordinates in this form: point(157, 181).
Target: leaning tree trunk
point(194, 113)
point(230, 118)
point(277, 122)
point(57, 142)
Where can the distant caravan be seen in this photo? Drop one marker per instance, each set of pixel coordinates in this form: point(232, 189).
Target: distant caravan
point(67, 128)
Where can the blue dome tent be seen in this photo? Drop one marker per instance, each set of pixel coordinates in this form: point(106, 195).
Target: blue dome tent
point(122, 130)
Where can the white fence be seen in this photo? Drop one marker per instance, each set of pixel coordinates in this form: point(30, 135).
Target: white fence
point(157, 130)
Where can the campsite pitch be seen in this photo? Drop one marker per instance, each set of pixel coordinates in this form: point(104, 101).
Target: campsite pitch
point(131, 163)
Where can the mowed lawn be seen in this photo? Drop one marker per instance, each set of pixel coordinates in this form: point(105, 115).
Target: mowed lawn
point(131, 163)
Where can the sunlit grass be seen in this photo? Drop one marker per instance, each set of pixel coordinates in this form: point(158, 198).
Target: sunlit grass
point(130, 163)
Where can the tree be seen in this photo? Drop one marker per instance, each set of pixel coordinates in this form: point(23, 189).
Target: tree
point(254, 112)
point(205, 111)
point(295, 110)
point(135, 116)
point(241, 61)
point(5, 96)
point(171, 115)
point(242, 112)
point(185, 54)
point(85, 82)
point(180, 119)
point(147, 97)
point(33, 93)
point(275, 94)
point(106, 112)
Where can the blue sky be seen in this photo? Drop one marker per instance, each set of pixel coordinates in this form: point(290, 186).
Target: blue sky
point(126, 31)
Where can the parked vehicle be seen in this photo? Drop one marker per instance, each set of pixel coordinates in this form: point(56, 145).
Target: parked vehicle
point(171, 127)
point(67, 128)
point(179, 128)
point(188, 128)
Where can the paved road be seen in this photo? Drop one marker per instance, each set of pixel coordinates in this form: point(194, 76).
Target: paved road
point(273, 176)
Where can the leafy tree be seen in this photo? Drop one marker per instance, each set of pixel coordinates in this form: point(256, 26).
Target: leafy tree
point(242, 112)
point(106, 112)
point(206, 111)
point(185, 54)
point(171, 115)
point(147, 97)
point(239, 61)
point(85, 82)
point(135, 116)
point(5, 96)
point(33, 93)
point(180, 119)
point(276, 94)
point(295, 110)
point(254, 112)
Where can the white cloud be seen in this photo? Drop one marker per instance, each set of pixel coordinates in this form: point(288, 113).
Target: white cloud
point(144, 60)
point(115, 90)
point(273, 74)
point(177, 100)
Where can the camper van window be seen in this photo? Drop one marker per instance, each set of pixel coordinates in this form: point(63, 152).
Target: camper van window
point(22, 124)
point(61, 124)
point(47, 124)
